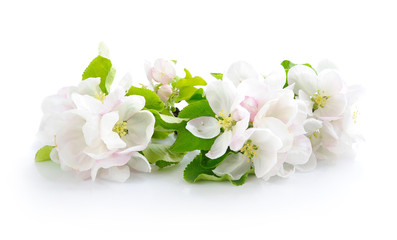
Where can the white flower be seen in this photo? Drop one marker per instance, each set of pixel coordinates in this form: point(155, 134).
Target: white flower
point(239, 72)
point(258, 148)
point(231, 119)
point(91, 139)
point(323, 93)
point(162, 71)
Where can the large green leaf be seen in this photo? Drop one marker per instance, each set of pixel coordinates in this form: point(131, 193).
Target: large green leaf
point(152, 101)
point(185, 93)
point(101, 67)
point(161, 152)
point(186, 141)
point(43, 154)
point(194, 172)
point(188, 80)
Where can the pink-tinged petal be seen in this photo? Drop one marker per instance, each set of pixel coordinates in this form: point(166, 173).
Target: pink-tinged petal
point(139, 163)
point(70, 144)
point(114, 160)
point(234, 165)
point(304, 78)
point(117, 174)
point(257, 90)
point(241, 71)
point(164, 92)
point(300, 151)
point(221, 96)
point(333, 109)
point(113, 100)
point(220, 145)
point(110, 138)
point(309, 165)
point(204, 127)
point(239, 131)
point(330, 82)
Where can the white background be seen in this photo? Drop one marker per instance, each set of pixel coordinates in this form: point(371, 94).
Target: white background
point(47, 44)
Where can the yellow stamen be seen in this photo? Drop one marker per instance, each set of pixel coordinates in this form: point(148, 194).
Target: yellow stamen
point(163, 73)
point(55, 141)
point(226, 122)
point(355, 116)
point(319, 99)
point(249, 150)
point(120, 128)
point(100, 96)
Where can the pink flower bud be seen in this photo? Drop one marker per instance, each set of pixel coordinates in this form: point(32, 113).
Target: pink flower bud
point(162, 71)
point(251, 104)
point(164, 92)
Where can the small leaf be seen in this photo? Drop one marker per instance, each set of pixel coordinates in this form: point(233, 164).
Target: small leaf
point(218, 75)
point(101, 67)
point(43, 154)
point(163, 164)
point(152, 101)
point(213, 163)
point(167, 122)
point(197, 96)
point(288, 65)
point(174, 61)
point(187, 142)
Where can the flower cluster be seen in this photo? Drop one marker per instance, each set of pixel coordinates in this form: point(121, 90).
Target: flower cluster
point(242, 123)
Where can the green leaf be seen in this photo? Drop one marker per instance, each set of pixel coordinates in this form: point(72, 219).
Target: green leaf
point(152, 101)
point(197, 96)
point(194, 172)
point(43, 154)
point(163, 164)
point(101, 67)
point(161, 152)
point(167, 122)
point(213, 163)
point(174, 61)
point(189, 81)
point(218, 75)
point(197, 109)
point(186, 141)
point(185, 93)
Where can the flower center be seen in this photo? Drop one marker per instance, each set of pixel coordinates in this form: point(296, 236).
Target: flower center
point(356, 113)
point(226, 122)
point(120, 128)
point(100, 96)
point(315, 134)
point(319, 100)
point(249, 150)
point(162, 73)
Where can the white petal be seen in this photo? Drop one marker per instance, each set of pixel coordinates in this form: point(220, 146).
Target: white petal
point(325, 64)
point(264, 162)
point(280, 129)
point(139, 163)
point(204, 127)
point(131, 105)
point(239, 131)
point(255, 89)
point(140, 130)
point(91, 130)
point(330, 82)
point(311, 125)
point(276, 79)
point(220, 145)
point(89, 86)
point(300, 151)
point(234, 165)
point(221, 96)
point(114, 160)
point(240, 71)
point(304, 78)
point(310, 165)
point(117, 174)
point(54, 155)
point(333, 109)
point(126, 82)
point(110, 138)
point(286, 170)
point(87, 103)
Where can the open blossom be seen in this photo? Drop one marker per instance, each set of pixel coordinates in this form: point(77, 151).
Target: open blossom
point(323, 93)
point(102, 133)
point(162, 71)
point(230, 121)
